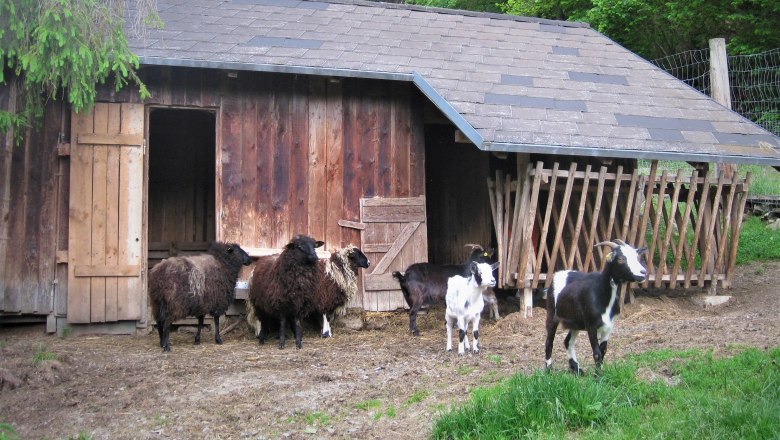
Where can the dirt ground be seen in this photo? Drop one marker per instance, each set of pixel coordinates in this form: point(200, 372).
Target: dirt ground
point(375, 383)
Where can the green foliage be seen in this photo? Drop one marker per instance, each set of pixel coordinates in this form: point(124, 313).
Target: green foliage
point(467, 5)
point(317, 417)
point(757, 242)
point(657, 28)
point(64, 49)
point(81, 436)
point(661, 394)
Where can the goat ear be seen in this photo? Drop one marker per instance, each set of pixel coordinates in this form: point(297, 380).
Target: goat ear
point(641, 250)
point(494, 266)
point(289, 245)
point(318, 243)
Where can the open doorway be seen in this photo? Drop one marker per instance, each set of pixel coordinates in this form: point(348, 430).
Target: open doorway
point(182, 178)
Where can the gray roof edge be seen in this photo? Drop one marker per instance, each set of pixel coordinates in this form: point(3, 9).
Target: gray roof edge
point(445, 107)
point(273, 68)
point(463, 12)
point(629, 154)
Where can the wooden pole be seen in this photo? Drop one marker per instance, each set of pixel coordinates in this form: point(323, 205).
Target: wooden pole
point(720, 88)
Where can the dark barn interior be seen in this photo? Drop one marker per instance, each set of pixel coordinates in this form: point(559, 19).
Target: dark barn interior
point(182, 179)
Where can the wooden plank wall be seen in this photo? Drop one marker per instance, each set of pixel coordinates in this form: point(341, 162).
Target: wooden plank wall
point(296, 153)
point(29, 219)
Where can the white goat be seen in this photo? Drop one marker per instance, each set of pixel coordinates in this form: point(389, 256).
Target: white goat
point(465, 303)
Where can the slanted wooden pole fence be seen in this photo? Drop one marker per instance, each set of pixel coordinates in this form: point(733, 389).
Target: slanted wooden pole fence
point(551, 219)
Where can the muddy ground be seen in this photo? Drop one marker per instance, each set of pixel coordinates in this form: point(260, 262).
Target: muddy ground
point(376, 383)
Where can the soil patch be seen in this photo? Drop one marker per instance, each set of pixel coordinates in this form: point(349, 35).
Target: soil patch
point(376, 383)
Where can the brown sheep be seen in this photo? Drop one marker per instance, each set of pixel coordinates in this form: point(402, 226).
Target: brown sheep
point(194, 286)
point(279, 287)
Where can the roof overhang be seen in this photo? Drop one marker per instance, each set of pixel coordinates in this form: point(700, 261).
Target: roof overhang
point(457, 119)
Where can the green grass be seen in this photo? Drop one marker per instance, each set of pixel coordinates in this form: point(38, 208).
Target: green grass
point(416, 397)
point(42, 354)
point(697, 396)
point(757, 242)
point(7, 432)
point(368, 404)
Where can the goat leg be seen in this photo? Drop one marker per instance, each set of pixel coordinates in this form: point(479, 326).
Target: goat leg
point(461, 338)
point(594, 344)
point(200, 325)
point(217, 336)
point(569, 343)
point(448, 323)
point(475, 335)
point(160, 332)
point(552, 327)
point(413, 319)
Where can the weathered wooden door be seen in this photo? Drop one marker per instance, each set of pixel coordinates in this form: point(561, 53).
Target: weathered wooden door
point(394, 236)
point(106, 237)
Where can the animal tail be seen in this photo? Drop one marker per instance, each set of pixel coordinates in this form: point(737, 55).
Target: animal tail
point(404, 289)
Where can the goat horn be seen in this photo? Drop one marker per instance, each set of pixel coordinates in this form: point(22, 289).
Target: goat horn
point(473, 246)
point(607, 243)
point(620, 242)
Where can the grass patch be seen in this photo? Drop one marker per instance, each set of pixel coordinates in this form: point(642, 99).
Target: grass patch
point(464, 370)
point(416, 397)
point(7, 432)
point(757, 242)
point(317, 417)
point(368, 404)
point(43, 354)
point(712, 398)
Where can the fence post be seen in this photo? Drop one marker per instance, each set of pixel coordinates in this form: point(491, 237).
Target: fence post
point(720, 89)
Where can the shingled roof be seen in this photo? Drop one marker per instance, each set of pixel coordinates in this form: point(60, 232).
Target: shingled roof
point(508, 83)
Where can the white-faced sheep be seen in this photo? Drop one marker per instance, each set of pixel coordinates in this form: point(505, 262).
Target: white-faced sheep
point(338, 284)
point(426, 283)
point(194, 286)
point(465, 303)
point(279, 287)
point(590, 301)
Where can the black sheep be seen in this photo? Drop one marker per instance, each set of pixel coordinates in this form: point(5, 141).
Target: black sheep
point(194, 286)
point(279, 287)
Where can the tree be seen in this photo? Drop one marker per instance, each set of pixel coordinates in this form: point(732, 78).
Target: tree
point(62, 49)
point(657, 28)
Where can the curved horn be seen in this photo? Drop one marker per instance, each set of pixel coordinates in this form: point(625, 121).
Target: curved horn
point(620, 242)
point(607, 243)
point(474, 246)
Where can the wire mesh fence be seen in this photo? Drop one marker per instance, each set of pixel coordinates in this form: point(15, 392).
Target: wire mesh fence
point(754, 81)
point(755, 94)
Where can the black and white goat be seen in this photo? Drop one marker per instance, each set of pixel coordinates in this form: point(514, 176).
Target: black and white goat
point(465, 303)
point(590, 301)
point(426, 283)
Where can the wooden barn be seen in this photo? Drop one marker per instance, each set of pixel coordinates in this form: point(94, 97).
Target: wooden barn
point(408, 131)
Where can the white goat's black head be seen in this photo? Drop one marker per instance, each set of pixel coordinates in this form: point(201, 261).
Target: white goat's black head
point(625, 261)
point(358, 258)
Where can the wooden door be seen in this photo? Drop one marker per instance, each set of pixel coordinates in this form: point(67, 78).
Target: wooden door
point(106, 237)
point(394, 236)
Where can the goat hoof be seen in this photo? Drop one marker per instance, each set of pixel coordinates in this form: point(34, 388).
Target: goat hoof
point(476, 351)
point(166, 349)
point(326, 335)
point(415, 333)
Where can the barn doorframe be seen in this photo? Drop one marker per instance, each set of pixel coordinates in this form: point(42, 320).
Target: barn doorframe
point(181, 181)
